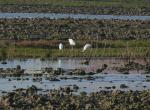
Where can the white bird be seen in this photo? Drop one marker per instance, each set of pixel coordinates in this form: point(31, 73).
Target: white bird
point(87, 46)
point(72, 43)
point(61, 46)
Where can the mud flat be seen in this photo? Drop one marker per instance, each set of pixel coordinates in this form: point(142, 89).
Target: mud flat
point(64, 99)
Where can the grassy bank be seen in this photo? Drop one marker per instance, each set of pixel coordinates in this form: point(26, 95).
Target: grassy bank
point(101, 52)
point(53, 44)
point(49, 48)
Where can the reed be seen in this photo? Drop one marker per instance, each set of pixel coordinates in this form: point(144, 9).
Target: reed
point(21, 52)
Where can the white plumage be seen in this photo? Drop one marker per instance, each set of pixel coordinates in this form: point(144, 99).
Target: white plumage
point(61, 46)
point(87, 46)
point(72, 42)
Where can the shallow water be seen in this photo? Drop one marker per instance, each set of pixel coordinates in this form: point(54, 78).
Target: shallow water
point(31, 65)
point(73, 16)
point(134, 81)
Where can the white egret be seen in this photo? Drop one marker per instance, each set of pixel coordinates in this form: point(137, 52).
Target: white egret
point(72, 42)
point(87, 46)
point(61, 46)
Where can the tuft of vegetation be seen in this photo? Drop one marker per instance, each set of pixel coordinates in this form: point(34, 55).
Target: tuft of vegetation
point(3, 53)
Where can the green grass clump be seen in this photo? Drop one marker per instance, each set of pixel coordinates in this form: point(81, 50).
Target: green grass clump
point(3, 53)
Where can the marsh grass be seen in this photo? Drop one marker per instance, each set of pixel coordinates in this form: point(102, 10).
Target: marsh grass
point(123, 3)
point(108, 52)
point(3, 53)
point(80, 43)
point(104, 48)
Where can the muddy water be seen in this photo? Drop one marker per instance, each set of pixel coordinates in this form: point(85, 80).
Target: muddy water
point(134, 81)
point(73, 16)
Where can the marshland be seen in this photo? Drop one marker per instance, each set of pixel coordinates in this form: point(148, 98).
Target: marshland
point(115, 7)
point(103, 83)
point(74, 55)
point(41, 37)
